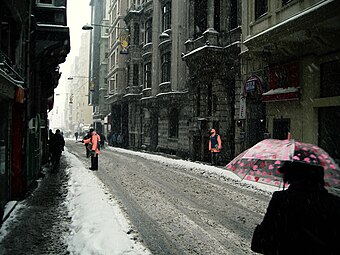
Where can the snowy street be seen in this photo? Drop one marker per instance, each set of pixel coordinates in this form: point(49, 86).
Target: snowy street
point(181, 207)
point(137, 203)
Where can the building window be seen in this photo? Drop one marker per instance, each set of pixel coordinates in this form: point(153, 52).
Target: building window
point(112, 85)
point(113, 60)
point(284, 2)
point(233, 15)
point(135, 75)
point(166, 16)
point(200, 14)
point(173, 123)
point(166, 66)
point(217, 10)
point(136, 34)
point(45, 1)
point(148, 31)
point(147, 75)
point(330, 79)
point(261, 8)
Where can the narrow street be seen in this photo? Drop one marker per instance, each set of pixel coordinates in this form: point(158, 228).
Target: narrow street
point(178, 210)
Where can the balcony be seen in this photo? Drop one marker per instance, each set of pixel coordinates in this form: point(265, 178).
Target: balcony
point(51, 41)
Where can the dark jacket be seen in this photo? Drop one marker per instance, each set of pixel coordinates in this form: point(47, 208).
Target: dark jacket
point(304, 219)
point(58, 143)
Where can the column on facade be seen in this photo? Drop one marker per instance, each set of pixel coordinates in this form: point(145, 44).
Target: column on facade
point(155, 41)
point(178, 37)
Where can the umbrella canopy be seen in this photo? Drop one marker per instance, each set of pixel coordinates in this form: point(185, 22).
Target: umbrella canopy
point(261, 162)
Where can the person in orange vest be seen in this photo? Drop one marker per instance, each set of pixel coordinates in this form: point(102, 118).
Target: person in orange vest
point(95, 149)
point(215, 146)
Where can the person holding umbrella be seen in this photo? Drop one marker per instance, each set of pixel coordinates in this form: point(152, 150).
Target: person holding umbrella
point(303, 219)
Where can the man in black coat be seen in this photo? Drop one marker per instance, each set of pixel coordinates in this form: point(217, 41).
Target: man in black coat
point(304, 219)
point(88, 150)
point(58, 143)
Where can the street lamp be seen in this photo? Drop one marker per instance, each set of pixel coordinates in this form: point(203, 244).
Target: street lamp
point(90, 27)
point(72, 77)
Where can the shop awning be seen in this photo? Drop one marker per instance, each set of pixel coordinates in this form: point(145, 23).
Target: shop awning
point(281, 94)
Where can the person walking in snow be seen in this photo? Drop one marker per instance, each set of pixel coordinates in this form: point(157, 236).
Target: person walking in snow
point(57, 143)
point(215, 146)
point(94, 140)
point(87, 144)
point(304, 219)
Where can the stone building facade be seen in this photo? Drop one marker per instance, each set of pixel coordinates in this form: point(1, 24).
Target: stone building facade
point(116, 70)
point(182, 67)
point(290, 72)
point(249, 69)
point(211, 54)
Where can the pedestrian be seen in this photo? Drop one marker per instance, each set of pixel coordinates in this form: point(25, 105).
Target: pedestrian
point(76, 135)
point(102, 140)
point(88, 146)
point(113, 140)
point(119, 140)
point(94, 140)
point(304, 219)
point(50, 146)
point(215, 146)
point(57, 143)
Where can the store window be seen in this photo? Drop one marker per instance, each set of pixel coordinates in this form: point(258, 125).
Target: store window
point(173, 123)
point(328, 135)
point(330, 79)
point(281, 128)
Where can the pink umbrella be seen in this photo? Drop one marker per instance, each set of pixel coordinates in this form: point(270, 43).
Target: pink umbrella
point(261, 162)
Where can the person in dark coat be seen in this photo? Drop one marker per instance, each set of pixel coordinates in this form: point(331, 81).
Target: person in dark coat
point(58, 144)
point(102, 140)
point(304, 219)
point(50, 146)
point(87, 145)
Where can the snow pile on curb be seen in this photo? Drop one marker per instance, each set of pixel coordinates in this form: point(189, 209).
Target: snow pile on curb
point(199, 168)
point(98, 224)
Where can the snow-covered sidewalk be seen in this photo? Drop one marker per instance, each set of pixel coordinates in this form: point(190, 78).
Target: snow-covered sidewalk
point(98, 224)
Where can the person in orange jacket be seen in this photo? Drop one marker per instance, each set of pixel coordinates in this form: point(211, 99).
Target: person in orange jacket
point(95, 142)
point(215, 146)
